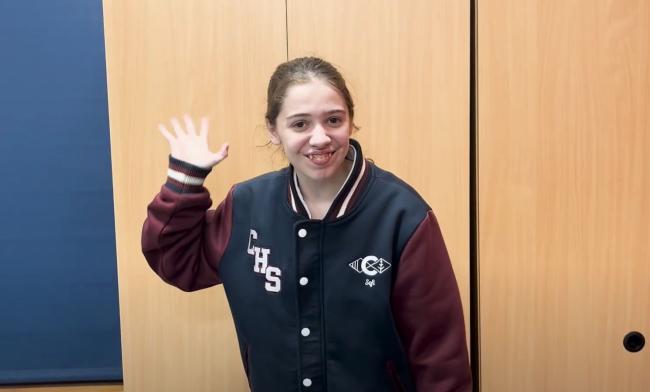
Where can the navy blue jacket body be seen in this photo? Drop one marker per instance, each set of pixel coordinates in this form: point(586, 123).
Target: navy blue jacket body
point(362, 300)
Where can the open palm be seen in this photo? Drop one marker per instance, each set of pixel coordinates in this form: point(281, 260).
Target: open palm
point(189, 146)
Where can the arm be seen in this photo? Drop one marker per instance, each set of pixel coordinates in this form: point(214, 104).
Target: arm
point(182, 240)
point(428, 313)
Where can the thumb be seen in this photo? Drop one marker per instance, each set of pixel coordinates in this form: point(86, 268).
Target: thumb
point(221, 154)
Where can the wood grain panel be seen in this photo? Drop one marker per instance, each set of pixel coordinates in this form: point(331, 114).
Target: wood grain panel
point(564, 194)
point(407, 67)
point(165, 58)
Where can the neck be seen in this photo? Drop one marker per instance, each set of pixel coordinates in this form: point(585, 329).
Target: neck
point(319, 195)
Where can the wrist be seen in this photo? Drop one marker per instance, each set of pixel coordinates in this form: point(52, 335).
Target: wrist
point(184, 177)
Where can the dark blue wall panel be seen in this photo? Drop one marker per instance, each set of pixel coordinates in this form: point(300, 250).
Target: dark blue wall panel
point(59, 316)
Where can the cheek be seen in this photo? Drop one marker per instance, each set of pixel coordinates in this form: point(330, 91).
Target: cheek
point(294, 144)
point(344, 134)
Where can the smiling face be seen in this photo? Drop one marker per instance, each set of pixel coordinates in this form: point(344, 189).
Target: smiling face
point(314, 128)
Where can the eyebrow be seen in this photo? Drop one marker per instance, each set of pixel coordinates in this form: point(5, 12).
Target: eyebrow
point(307, 114)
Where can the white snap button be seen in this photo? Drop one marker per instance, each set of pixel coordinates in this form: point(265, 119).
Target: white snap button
point(306, 382)
point(303, 281)
point(302, 233)
point(305, 332)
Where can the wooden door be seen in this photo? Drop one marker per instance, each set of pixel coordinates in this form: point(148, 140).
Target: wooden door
point(165, 58)
point(408, 67)
point(564, 194)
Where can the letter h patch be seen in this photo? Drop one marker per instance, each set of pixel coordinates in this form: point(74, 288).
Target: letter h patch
point(261, 265)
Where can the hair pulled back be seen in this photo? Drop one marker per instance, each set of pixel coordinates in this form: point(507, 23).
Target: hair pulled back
point(302, 70)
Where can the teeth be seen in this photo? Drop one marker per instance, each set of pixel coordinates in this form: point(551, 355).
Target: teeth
point(320, 157)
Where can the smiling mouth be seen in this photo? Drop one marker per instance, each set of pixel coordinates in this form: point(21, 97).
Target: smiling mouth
point(320, 158)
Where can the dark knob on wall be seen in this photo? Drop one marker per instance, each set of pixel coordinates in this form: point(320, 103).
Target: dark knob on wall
point(634, 341)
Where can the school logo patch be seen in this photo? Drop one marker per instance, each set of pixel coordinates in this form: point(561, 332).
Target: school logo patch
point(370, 265)
point(261, 266)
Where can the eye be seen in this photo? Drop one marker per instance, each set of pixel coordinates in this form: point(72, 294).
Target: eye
point(334, 120)
point(299, 124)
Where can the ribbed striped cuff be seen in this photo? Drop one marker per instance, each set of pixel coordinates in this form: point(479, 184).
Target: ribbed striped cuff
point(183, 177)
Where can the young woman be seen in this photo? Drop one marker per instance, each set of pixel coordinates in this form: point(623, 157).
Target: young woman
point(335, 270)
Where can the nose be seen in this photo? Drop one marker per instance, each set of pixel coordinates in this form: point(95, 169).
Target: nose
point(319, 136)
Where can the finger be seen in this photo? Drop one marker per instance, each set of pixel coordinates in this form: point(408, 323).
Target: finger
point(177, 128)
point(165, 132)
point(189, 125)
point(221, 154)
point(204, 128)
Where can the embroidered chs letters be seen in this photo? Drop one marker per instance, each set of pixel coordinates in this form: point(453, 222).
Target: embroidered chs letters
point(262, 266)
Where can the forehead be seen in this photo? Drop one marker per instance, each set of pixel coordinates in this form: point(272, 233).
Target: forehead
point(312, 97)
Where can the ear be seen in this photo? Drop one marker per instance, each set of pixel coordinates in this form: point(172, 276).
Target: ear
point(273, 133)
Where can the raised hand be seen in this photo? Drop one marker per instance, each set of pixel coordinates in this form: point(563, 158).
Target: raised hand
point(191, 147)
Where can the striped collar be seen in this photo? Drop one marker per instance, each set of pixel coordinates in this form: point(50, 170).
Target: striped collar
point(347, 195)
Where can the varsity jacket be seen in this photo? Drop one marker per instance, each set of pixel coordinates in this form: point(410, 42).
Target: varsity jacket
point(364, 300)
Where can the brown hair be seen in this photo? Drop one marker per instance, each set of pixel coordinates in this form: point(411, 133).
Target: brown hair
point(302, 70)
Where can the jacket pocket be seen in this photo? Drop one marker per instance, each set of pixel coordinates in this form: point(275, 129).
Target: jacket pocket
point(394, 377)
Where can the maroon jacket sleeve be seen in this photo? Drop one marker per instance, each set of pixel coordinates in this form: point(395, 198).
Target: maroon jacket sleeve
point(182, 240)
point(428, 313)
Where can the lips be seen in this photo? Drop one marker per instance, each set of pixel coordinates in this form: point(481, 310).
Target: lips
point(320, 158)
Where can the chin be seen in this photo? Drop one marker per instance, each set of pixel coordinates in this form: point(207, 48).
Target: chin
point(319, 174)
